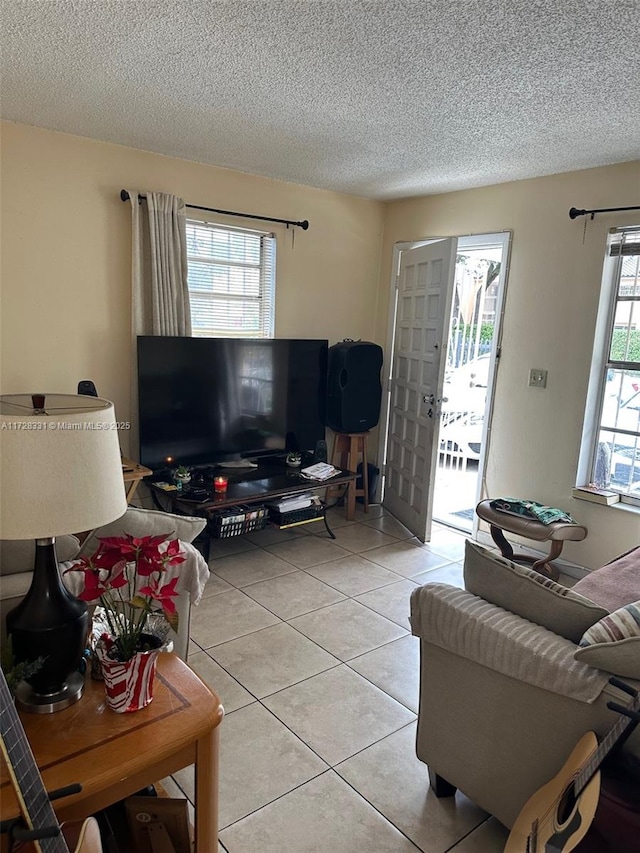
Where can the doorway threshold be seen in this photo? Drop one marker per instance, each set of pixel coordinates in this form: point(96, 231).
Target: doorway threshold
point(455, 497)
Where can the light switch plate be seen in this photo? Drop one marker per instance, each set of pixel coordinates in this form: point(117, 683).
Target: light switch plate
point(537, 378)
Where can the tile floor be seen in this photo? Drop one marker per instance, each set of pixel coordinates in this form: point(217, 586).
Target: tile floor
point(306, 640)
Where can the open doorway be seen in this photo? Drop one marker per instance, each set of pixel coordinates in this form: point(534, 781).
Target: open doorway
point(446, 305)
point(471, 363)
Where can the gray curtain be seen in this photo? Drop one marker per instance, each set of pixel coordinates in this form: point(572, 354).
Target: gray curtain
point(159, 265)
point(159, 293)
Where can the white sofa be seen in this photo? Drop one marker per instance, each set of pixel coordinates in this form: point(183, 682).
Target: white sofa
point(17, 558)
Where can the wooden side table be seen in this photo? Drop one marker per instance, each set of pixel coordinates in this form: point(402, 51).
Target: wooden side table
point(132, 474)
point(114, 755)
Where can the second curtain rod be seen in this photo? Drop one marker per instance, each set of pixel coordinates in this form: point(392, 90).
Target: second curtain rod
point(304, 224)
point(575, 212)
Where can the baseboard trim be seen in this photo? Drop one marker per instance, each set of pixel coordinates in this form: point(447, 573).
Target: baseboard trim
point(565, 567)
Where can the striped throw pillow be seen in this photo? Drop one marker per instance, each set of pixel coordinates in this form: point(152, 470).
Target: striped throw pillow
point(619, 625)
point(613, 643)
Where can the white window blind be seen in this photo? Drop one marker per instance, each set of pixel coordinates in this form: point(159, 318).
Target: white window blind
point(231, 278)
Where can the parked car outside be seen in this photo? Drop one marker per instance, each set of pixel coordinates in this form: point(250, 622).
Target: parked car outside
point(463, 407)
point(621, 411)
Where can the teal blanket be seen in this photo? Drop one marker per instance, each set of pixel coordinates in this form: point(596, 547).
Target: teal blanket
point(531, 509)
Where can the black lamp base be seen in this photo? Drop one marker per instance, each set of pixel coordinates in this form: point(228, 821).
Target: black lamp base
point(51, 625)
point(37, 703)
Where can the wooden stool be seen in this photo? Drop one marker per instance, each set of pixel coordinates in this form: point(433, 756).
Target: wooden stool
point(346, 447)
point(557, 533)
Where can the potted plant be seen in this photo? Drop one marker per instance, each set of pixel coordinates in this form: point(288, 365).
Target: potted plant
point(15, 671)
point(182, 475)
point(127, 576)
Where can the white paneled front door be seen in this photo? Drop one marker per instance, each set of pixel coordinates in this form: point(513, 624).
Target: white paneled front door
point(425, 288)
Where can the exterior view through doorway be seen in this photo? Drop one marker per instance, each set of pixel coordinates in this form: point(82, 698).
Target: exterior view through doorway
point(446, 309)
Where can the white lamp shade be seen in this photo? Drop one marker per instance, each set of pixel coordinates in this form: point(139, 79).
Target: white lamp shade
point(60, 467)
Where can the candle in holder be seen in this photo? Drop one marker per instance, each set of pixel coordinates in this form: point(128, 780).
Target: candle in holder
point(220, 484)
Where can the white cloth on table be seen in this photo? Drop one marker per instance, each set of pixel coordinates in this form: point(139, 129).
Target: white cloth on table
point(193, 574)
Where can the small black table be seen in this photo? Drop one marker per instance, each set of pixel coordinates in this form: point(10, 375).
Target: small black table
point(248, 486)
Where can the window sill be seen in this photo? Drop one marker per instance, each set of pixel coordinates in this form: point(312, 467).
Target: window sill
point(625, 507)
point(611, 500)
point(596, 496)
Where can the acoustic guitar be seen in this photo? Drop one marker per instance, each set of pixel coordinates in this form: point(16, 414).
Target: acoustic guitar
point(35, 804)
point(557, 817)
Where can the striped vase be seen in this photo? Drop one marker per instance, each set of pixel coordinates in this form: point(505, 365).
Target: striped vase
point(128, 684)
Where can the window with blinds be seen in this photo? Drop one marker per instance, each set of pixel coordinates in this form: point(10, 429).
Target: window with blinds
point(613, 418)
point(231, 279)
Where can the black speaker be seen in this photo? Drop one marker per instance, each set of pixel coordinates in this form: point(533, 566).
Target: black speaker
point(87, 388)
point(354, 392)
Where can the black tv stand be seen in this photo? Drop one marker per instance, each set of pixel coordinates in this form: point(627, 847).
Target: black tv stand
point(247, 487)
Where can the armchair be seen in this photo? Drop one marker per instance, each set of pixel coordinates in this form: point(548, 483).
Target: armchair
point(503, 699)
point(16, 562)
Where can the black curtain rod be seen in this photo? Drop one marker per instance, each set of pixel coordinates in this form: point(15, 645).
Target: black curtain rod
point(124, 195)
point(574, 212)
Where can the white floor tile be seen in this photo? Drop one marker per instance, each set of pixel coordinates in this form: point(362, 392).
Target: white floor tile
point(293, 594)
point(392, 601)
point(272, 659)
point(227, 547)
point(321, 816)
point(337, 713)
point(250, 567)
point(171, 788)
point(353, 575)
point(490, 837)
point(448, 543)
point(308, 645)
point(260, 760)
point(215, 585)
point(226, 616)
point(452, 574)
point(347, 629)
point(407, 558)
point(391, 777)
point(389, 524)
point(308, 551)
point(394, 668)
point(229, 691)
point(359, 538)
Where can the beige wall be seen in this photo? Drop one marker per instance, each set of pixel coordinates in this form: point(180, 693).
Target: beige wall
point(65, 282)
point(66, 255)
point(550, 313)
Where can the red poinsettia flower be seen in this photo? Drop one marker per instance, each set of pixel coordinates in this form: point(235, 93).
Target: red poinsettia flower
point(100, 576)
point(172, 556)
point(93, 588)
point(112, 577)
point(164, 595)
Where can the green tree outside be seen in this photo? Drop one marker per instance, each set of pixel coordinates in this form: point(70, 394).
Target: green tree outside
point(621, 350)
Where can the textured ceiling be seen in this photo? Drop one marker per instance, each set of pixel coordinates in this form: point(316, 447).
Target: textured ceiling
point(379, 98)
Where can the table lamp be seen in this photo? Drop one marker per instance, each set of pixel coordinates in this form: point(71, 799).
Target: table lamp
point(60, 473)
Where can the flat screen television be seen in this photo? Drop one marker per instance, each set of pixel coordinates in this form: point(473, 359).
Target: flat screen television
point(203, 401)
